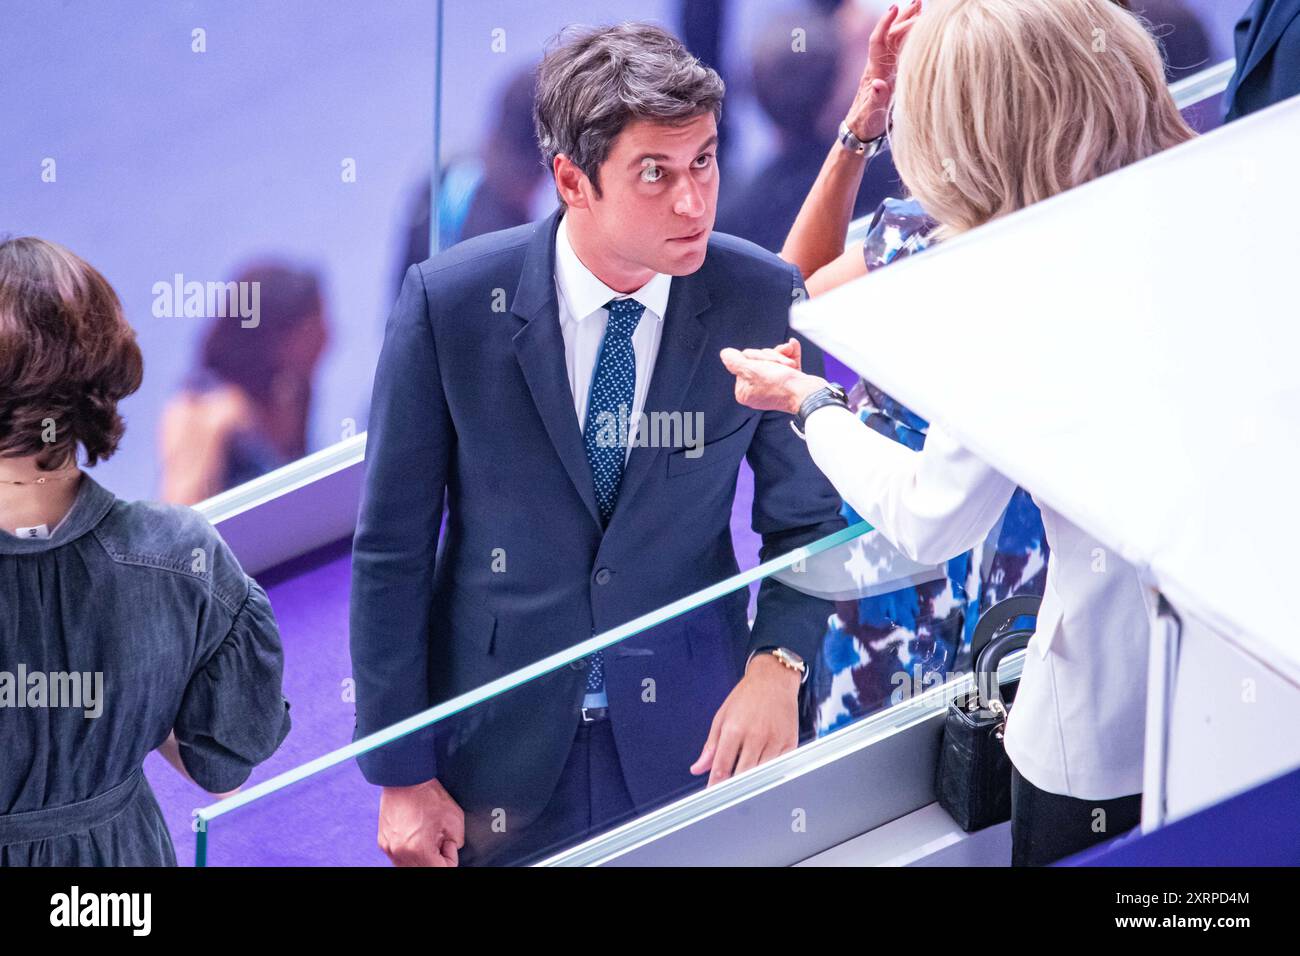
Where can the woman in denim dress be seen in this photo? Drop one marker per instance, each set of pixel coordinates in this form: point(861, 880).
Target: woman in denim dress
point(125, 627)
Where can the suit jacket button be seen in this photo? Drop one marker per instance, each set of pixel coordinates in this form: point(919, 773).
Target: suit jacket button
point(603, 576)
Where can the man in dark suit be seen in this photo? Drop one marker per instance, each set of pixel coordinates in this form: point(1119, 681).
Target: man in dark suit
point(1268, 58)
point(513, 368)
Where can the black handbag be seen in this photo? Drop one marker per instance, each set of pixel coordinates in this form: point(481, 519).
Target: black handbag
point(973, 781)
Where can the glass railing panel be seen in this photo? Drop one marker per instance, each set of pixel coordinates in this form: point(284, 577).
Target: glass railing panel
point(922, 705)
point(500, 748)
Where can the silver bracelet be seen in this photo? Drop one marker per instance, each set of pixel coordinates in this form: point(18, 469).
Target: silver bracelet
point(865, 148)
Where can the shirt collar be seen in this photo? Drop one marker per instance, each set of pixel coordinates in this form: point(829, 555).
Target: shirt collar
point(93, 501)
point(585, 294)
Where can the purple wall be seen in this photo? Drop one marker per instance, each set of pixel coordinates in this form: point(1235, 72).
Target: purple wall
point(174, 161)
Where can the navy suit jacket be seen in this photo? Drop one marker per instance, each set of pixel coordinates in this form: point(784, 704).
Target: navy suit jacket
point(1268, 57)
point(472, 402)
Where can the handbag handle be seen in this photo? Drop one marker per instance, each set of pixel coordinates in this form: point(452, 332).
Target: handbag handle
point(996, 636)
point(986, 668)
point(1001, 616)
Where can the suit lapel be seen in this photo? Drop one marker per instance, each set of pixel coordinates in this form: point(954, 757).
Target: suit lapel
point(1266, 30)
point(680, 349)
point(539, 348)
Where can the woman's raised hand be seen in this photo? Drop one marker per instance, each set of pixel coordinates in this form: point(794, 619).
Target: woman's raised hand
point(870, 111)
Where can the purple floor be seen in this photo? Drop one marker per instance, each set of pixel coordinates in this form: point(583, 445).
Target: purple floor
point(328, 820)
point(310, 597)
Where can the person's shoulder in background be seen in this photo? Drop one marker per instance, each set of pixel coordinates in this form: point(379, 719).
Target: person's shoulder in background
point(1267, 42)
point(485, 252)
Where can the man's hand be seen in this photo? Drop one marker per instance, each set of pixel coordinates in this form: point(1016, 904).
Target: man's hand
point(759, 720)
point(769, 379)
point(869, 113)
point(421, 825)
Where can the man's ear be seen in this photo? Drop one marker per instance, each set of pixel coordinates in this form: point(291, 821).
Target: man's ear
point(571, 182)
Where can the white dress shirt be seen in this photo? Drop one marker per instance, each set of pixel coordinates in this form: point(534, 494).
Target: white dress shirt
point(1077, 724)
point(583, 318)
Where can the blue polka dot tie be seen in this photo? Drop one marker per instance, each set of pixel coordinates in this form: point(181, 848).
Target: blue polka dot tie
point(609, 411)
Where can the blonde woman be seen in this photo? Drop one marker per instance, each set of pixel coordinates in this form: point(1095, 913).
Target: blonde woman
point(1014, 97)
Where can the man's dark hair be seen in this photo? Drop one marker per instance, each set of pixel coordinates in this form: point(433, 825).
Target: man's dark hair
point(597, 80)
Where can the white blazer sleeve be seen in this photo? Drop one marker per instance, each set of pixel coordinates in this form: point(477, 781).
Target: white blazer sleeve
point(932, 504)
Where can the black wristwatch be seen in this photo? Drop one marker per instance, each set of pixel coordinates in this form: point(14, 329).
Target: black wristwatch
point(832, 394)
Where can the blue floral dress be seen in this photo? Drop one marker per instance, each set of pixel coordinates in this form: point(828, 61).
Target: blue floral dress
point(881, 649)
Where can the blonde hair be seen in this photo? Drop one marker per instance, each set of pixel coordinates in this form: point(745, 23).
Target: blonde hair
point(1001, 103)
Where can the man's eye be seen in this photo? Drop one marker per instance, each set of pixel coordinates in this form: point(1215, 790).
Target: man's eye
point(702, 161)
point(650, 173)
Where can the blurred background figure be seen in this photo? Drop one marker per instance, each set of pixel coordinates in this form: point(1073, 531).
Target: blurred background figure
point(798, 66)
point(490, 189)
point(1268, 57)
point(334, 115)
point(243, 410)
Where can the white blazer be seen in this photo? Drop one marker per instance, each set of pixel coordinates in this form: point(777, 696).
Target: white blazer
point(1077, 725)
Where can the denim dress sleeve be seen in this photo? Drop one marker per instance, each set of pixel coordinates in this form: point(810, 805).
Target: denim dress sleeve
point(232, 714)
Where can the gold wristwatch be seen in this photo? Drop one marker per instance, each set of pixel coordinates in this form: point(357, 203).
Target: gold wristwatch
point(787, 657)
